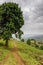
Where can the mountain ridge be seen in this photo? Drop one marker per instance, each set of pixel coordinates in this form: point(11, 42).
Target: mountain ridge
point(36, 37)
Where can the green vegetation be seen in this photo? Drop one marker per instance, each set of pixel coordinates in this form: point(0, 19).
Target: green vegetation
point(22, 40)
point(35, 43)
point(30, 55)
point(29, 42)
point(41, 47)
point(5, 53)
point(11, 20)
point(11, 60)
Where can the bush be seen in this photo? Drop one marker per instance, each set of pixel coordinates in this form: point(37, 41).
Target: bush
point(22, 40)
point(29, 41)
point(41, 47)
point(36, 46)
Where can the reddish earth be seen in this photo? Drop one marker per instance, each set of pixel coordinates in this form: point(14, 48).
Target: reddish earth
point(17, 56)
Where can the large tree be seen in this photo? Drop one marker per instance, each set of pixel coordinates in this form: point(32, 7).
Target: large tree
point(11, 21)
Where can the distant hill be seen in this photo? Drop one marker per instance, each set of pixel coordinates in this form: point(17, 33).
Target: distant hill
point(36, 37)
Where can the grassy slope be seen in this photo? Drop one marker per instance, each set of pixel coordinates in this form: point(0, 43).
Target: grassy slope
point(4, 52)
point(30, 55)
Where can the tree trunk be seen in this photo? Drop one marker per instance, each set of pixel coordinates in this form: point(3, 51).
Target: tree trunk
point(6, 44)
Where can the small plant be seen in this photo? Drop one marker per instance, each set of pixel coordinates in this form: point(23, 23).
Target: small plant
point(41, 47)
point(29, 41)
point(22, 40)
point(36, 45)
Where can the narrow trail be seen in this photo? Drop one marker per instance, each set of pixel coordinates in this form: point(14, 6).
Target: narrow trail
point(15, 52)
point(17, 56)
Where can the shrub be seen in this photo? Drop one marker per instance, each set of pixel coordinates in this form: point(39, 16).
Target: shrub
point(29, 41)
point(22, 40)
point(41, 47)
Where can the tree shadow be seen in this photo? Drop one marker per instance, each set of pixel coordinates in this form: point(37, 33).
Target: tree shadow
point(7, 48)
point(1, 44)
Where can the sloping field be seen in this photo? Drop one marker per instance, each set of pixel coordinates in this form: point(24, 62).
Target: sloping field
point(30, 55)
point(19, 53)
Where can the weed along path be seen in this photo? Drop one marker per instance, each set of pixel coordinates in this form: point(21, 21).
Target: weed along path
point(16, 54)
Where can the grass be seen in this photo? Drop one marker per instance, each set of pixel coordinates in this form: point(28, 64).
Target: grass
point(11, 60)
point(5, 51)
point(30, 55)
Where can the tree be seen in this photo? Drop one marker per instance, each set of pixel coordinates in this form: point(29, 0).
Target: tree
point(41, 47)
point(29, 42)
point(11, 21)
point(22, 40)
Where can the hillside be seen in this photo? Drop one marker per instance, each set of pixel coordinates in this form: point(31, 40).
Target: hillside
point(18, 52)
point(30, 55)
point(38, 37)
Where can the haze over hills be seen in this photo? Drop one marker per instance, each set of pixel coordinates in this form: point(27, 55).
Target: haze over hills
point(36, 37)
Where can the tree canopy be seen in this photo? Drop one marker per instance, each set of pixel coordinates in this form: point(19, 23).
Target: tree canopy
point(11, 20)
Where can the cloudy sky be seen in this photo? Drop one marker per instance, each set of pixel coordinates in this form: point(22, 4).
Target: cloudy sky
point(33, 15)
